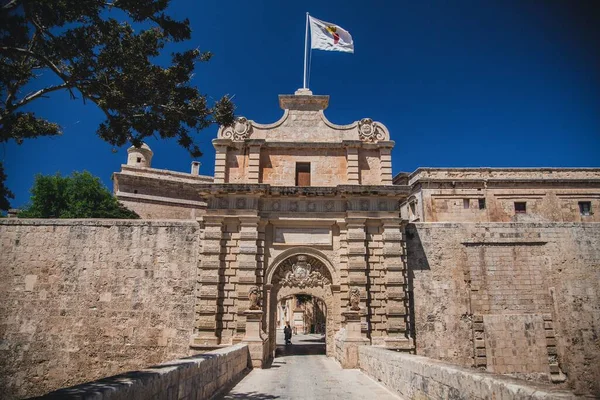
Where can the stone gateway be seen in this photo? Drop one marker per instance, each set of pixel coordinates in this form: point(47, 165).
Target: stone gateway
point(491, 269)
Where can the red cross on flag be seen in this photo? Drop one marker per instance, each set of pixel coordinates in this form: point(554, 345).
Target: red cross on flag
point(326, 36)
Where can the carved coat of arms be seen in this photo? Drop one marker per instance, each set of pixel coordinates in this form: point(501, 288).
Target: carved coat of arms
point(301, 274)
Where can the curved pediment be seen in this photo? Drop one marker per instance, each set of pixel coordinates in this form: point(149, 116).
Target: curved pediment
point(304, 120)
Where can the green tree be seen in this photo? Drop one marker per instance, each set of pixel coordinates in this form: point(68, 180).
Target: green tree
point(80, 195)
point(103, 51)
point(5, 194)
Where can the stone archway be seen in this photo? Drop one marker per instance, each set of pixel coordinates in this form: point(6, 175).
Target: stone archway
point(302, 273)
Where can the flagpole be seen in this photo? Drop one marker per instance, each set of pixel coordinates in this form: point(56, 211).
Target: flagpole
point(305, 50)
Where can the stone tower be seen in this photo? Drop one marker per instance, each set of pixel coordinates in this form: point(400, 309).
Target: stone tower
point(140, 157)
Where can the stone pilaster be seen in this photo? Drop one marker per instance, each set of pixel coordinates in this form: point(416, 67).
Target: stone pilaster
point(385, 155)
point(396, 285)
point(357, 264)
point(247, 265)
point(253, 162)
point(376, 295)
point(207, 323)
point(220, 146)
point(228, 296)
point(352, 160)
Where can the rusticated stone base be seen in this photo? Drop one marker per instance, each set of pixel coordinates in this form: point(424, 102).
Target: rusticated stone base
point(348, 339)
point(256, 339)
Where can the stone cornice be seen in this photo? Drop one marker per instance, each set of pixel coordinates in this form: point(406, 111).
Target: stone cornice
point(162, 174)
point(506, 182)
point(303, 145)
point(307, 191)
point(509, 174)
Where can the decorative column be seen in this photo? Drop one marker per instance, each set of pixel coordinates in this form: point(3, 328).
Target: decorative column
point(206, 332)
point(350, 337)
point(394, 255)
point(255, 337)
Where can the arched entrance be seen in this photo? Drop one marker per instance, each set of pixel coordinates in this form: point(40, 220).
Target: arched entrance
point(303, 272)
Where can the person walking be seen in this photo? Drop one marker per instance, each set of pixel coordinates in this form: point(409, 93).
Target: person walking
point(287, 333)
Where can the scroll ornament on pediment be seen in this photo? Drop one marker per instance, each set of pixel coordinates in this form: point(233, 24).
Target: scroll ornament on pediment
point(370, 131)
point(239, 131)
point(302, 274)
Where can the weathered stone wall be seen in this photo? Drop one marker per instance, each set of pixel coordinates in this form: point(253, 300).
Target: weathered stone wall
point(199, 377)
point(416, 377)
point(149, 209)
point(540, 282)
point(543, 204)
point(160, 194)
point(369, 164)
point(328, 166)
point(237, 165)
point(83, 299)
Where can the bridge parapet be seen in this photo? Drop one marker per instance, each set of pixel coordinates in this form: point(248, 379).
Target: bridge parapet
point(197, 377)
point(417, 377)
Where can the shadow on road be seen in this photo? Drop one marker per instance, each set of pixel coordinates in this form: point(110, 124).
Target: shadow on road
point(249, 395)
point(302, 345)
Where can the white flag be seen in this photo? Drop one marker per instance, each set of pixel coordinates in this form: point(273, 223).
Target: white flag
point(326, 36)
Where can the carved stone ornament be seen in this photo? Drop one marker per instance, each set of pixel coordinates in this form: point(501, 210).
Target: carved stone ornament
point(254, 297)
point(302, 274)
point(369, 131)
point(355, 299)
point(239, 131)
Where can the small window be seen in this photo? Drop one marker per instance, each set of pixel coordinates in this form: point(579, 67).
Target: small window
point(520, 207)
point(139, 159)
point(481, 204)
point(466, 204)
point(585, 207)
point(135, 191)
point(302, 174)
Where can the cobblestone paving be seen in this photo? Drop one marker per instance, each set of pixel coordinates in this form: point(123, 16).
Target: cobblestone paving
point(302, 371)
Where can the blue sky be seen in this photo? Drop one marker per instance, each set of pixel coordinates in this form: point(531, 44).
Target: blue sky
point(457, 83)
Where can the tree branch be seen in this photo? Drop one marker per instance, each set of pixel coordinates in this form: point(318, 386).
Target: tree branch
point(39, 93)
point(10, 4)
point(40, 57)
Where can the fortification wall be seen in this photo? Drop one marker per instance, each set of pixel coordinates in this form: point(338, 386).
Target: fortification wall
point(83, 299)
point(514, 298)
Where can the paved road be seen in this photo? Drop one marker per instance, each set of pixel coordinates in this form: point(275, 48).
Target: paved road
point(302, 371)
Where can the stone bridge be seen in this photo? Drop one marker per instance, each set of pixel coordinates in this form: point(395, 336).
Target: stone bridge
point(303, 371)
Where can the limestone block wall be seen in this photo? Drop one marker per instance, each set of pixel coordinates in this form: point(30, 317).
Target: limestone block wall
point(84, 299)
point(543, 204)
point(328, 166)
point(485, 294)
point(199, 377)
point(369, 163)
point(151, 209)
